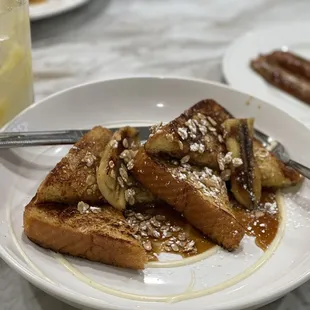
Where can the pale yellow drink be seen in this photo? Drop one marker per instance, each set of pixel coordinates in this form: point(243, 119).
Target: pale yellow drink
point(16, 90)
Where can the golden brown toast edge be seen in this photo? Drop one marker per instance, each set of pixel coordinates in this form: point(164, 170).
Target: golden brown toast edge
point(74, 178)
point(209, 214)
point(102, 237)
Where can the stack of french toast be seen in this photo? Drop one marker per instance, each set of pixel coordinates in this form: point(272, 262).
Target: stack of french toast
point(194, 164)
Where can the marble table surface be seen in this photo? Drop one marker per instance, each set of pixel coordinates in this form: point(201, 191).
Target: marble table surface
point(133, 37)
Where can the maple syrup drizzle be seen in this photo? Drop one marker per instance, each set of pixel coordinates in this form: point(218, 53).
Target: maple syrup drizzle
point(191, 244)
point(263, 223)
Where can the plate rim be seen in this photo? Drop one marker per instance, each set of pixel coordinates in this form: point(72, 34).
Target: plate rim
point(48, 14)
point(68, 294)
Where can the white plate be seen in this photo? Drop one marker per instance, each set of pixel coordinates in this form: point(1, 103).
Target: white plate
point(50, 8)
point(144, 101)
point(239, 74)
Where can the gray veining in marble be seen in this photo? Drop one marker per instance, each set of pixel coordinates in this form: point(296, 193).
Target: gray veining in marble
point(133, 37)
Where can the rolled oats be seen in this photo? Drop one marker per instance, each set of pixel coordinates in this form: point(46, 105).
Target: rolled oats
point(143, 233)
point(120, 182)
point(155, 223)
point(167, 248)
point(156, 234)
point(160, 217)
point(89, 159)
point(201, 116)
point(123, 173)
point(182, 131)
point(175, 162)
point(194, 147)
point(166, 234)
point(143, 225)
point(134, 228)
point(237, 162)
point(182, 236)
point(191, 126)
point(114, 144)
point(138, 237)
point(147, 245)
point(125, 154)
point(175, 228)
point(185, 159)
point(174, 247)
point(212, 121)
point(203, 129)
point(139, 216)
point(201, 148)
point(125, 143)
point(129, 197)
point(181, 146)
point(225, 174)
point(212, 129)
point(156, 127)
point(130, 164)
point(227, 158)
point(181, 244)
point(220, 161)
point(83, 207)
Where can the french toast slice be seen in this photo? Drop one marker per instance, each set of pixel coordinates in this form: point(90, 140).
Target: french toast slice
point(195, 192)
point(196, 132)
point(100, 235)
point(74, 178)
point(175, 139)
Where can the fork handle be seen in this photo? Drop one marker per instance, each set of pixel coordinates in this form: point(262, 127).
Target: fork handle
point(305, 171)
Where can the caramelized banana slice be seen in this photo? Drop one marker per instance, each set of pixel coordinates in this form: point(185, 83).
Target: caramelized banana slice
point(245, 175)
point(113, 178)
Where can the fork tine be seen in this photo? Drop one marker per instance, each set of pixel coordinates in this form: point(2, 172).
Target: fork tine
point(261, 135)
point(263, 138)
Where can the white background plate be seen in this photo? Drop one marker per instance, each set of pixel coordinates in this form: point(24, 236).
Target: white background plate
point(239, 75)
point(141, 101)
point(50, 8)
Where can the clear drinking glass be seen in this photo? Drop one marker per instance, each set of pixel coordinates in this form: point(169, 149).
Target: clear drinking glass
point(16, 87)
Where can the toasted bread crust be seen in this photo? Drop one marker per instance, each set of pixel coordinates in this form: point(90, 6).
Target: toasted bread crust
point(209, 214)
point(102, 237)
point(74, 178)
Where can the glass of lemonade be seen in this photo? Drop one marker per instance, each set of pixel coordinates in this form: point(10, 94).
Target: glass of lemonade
point(16, 87)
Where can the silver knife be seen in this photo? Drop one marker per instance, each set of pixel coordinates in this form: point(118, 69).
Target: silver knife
point(58, 137)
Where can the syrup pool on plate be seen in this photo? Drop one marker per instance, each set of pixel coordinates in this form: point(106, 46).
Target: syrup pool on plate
point(160, 229)
point(16, 90)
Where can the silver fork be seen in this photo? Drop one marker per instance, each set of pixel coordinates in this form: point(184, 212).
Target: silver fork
point(35, 138)
point(278, 149)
